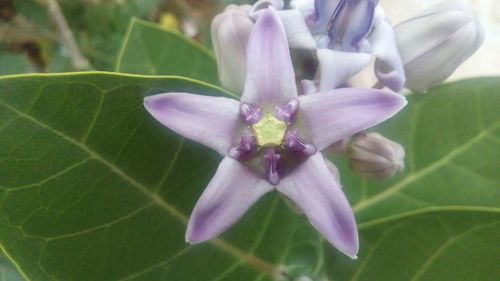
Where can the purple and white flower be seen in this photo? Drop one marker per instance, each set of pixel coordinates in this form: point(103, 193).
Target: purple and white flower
point(272, 140)
point(230, 31)
point(345, 34)
point(375, 157)
point(436, 41)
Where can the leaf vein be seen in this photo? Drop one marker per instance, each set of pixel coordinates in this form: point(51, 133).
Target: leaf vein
point(170, 166)
point(49, 178)
point(158, 265)
point(412, 177)
point(472, 173)
point(172, 210)
point(447, 244)
point(94, 119)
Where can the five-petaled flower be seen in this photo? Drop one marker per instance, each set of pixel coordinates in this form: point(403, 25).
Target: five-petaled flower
point(272, 140)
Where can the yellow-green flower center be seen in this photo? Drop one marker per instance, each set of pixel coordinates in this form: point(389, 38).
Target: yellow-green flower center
point(269, 131)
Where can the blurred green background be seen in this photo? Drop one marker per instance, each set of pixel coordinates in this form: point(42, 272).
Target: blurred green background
point(30, 41)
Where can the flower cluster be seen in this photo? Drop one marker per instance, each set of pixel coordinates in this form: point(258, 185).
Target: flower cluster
point(273, 138)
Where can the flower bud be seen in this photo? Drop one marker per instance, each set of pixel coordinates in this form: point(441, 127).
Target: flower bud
point(436, 41)
point(230, 32)
point(375, 157)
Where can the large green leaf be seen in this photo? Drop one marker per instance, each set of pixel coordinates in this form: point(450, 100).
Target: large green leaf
point(443, 212)
point(439, 244)
point(451, 138)
point(92, 188)
point(151, 50)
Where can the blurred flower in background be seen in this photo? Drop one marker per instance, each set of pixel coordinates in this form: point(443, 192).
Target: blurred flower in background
point(485, 61)
point(29, 41)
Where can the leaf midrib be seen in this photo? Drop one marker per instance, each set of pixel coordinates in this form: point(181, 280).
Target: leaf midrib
point(222, 245)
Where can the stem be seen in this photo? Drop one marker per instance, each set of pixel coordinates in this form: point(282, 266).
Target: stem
point(78, 60)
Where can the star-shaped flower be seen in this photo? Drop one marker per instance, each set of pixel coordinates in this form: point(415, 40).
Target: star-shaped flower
point(271, 140)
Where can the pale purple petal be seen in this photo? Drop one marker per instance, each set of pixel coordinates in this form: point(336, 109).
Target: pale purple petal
point(323, 11)
point(270, 77)
point(388, 65)
point(308, 87)
point(334, 115)
point(315, 190)
point(337, 67)
point(230, 193)
point(211, 121)
point(305, 7)
point(355, 23)
point(298, 34)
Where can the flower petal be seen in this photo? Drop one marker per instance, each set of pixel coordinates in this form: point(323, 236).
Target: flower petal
point(388, 65)
point(355, 22)
point(211, 121)
point(323, 11)
point(308, 87)
point(334, 115)
point(270, 79)
point(297, 31)
point(314, 189)
point(337, 67)
point(230, 193)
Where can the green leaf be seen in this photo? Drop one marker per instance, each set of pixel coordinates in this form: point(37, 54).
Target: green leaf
point(440, 214)
point(8, 271)
point(439, 244)
point(101, 26)
point(151, 50)
point(92, 188)
point(451, 136)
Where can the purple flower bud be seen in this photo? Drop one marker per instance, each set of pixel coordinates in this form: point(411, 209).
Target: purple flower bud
point(230, 32)
point(375, 157)
point(436, 41)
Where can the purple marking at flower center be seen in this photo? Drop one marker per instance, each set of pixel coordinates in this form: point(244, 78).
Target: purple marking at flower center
point(245, 149)
point(273, 152)
point(294, 144)
point(272, 159)
point(251, 114)
point(287, 112)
